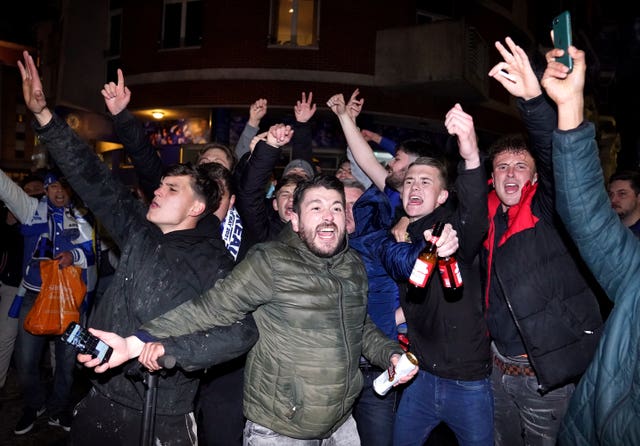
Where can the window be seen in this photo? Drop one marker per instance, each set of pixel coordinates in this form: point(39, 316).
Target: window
point(294, 23)
point(182, 23)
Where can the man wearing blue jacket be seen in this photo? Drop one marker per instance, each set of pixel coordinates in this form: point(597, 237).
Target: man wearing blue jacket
point(51, 221)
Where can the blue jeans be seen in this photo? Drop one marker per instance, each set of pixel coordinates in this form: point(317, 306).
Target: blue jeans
point(465, 406)
point(375, 414)
point(257, 435)
point(522, 415)
point(28, 355)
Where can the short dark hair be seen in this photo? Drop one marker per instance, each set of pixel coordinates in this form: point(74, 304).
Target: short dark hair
point(231, 155)
point(326, 181)
point(292, 178)
point(223, 176)
point(436, 163)
point(632, 176)
point(203, 182)
point(514, 142)
point(419, 148)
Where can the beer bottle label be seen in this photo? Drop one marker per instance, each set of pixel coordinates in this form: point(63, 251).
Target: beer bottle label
point(420, 273)
point(450, 273)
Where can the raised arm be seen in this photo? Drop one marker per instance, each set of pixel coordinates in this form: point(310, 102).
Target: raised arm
point(250, 196)
point(609, 249)
point(471, 216)
point(302, 140)
point(109, 200)
point(17, 200)
point(360, 149)
point(536, 112)
point(257, 111)
point(146, 162)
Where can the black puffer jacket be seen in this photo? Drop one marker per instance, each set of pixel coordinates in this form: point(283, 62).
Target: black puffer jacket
point(156, 271)
point(449, 336)
point(537, 280)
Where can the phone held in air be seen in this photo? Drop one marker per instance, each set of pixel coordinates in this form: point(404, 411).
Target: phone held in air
point(562, 37)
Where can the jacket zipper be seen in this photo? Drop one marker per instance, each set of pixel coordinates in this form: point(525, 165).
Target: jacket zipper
point(344, 331)
point(516, 322)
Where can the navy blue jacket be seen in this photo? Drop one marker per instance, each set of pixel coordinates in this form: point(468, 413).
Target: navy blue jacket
point(373, 216)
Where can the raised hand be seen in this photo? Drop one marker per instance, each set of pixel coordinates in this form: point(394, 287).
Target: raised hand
point(257, 110)
point(304, 109)
point(564, 88)
point(515, 72)
point(460, 124)
point(368, 135)
point(279, 135)
point(337, 105)
point(256, 139)
point(354, 106)
point(32, 91)
point(116, 96)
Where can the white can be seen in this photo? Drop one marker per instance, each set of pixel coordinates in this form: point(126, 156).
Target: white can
point(388, 378)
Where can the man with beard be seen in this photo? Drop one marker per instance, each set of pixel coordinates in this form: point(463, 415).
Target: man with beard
point(390, 178)
point(308, 294)
point(624, 194)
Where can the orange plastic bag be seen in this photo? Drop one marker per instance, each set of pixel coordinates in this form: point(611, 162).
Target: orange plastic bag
point(59, 300)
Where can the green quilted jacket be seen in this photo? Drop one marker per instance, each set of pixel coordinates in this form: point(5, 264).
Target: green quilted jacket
point(302, 376)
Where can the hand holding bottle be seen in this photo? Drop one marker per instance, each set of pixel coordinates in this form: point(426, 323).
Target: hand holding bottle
point(442, 241)
point(448, 243)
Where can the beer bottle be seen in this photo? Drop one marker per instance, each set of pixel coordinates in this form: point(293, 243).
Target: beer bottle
point(451, 278)
point(426, 261)
point(450, 272)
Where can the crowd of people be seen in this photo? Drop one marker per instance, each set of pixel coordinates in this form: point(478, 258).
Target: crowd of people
point(282, 299)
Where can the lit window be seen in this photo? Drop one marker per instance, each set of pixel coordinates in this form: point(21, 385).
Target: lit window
point(182, 23)
point(294, 23)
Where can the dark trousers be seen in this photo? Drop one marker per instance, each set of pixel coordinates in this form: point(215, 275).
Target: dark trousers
point(100, 421)
point(375, 414)
point(28, 355)
point(219, 405)
point(522, 415)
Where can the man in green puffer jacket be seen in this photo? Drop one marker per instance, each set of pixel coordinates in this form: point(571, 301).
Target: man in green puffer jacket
point(604, 409)
point(307, 291)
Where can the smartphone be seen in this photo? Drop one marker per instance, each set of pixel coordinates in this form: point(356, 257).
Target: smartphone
point(86, 343)
point(562, 37)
